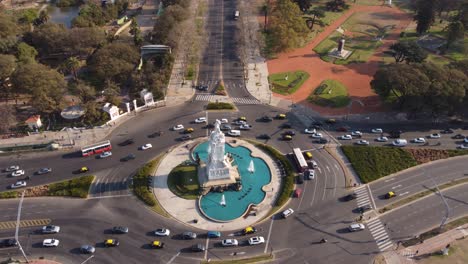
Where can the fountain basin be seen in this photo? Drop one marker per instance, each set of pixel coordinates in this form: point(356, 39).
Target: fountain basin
point(237, 202)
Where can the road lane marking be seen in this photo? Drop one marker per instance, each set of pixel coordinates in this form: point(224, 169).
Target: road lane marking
point(206, 247)
point(268, 238)
point(403, 193)
point(371, 197)
point(328, 168)
point(315, 190)
point(302, 195)
point(398, 186)
point(325, 189)
point(172, 259)
point(24, 223)
point(109, 196)
point(320, 170)
point(391, 179)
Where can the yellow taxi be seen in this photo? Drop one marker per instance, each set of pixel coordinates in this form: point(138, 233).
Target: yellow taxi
point(111, 242)
point(390, 195)
point(281, 116)
point(83, 169)
point(287, 137)
point(157, 244)
point(189, 130)
point(249, 230)
point(308, 155)
point(243, 118)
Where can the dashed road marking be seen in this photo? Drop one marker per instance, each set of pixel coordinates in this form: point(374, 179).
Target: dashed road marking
point(24, 223)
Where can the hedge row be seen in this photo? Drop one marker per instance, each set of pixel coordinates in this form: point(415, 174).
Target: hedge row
point(141, 182)
point(287, 184)
point(219, 106)
point(9, 194)
point(78, 187)
point(372, 163)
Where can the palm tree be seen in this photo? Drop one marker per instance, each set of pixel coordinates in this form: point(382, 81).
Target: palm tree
point(72, 65)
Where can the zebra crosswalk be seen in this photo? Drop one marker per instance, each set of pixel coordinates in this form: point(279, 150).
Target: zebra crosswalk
point(379, 233)
point(362, 196)
point(220, 98)
point(24, 223)
point(408, 253)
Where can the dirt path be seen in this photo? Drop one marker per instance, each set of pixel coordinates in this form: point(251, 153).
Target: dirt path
point(356, 77)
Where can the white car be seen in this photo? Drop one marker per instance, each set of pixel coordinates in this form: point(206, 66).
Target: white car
point(465, 140)
point(18, 184)
point(345, 137)
point(224, 121)
point(382, 139)
point(288, 212)
point(178, 127)
point(50, 229)
point(356, 227)
point(239, 122)
point(162, 232)
point(362, 142)
point(230, 242)
point(105, 154)
point(12, 168)
point(356, 133)
point(310, 131)
point(317, 135)
point(200, 120)
point(377, 130)
point(400, 142)
point(245, 127)
point(146, 146)
point(257, 240)
point(17, 173)
point(434, 135)
point(419, 140)
point(50, 242)
point(463, 146)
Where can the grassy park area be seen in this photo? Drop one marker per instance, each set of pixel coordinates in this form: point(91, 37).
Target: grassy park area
point(287, 82)
point(183, 182)
point(330, 93)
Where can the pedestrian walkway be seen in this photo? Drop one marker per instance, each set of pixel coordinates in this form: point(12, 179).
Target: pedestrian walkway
point(379, 233)
point(221, 98)
point(362, 196)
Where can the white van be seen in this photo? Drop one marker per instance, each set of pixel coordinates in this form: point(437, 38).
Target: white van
point(236, 15)
point(234, 133)
point(400, 142)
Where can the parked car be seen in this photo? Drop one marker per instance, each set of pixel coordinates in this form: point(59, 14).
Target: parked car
point(257, 240)
point(50, 242)
point(356, 227)
point(321, 141)
point(286, 213)
point(178, 127)
point(162, 232)
point(120, 230)
point(189, 235)
point(342, 129)
point(200, 120)
point(185, 137)
point(286, 125)
point(18, 184)
point(87, 249)
point(105, 154)
point(419, 140)
point(362, 142)
point(465, 140)
point(330, 121)
point(224, 121)
point(225, 127)
point(364, 208)
point(463, 146)
point(230, 242)
point(128, 157)
point(345, 137)
point(395, 133)
point(382, 139)
point(43, 171)
point(434, 135)
point(377, 130)
point(281, 116)
point(287, 138)
point(17, 173)
point(234, 133)
point(50, 229)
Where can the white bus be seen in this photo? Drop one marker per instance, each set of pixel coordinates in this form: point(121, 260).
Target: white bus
point(301, 162)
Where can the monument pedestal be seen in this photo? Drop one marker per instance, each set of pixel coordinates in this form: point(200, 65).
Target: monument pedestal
point(343, 54)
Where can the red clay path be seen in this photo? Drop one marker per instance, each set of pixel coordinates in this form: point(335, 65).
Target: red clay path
point(356, 77)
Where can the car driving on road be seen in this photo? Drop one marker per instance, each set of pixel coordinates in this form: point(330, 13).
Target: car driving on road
point(146, 146)
point(43, 171)
point(105, 155)
point(356, 227)
point(162, 232)
point(128, 157)
point(345, 137)
point(390, 195)
point(362, 142)
point(50, 229)
point(120, 230)
point(200, 120)
point(377, 130)
point(189, 235)
point(12, 168)
point(87, 249)
point(419, 140)
point(382, 139)
point(230, 242)
point(178, 127)
point(316, 135)
point(257, 240)
point(111, 243)
point(157, 244)
point(434, 135)
point(18, 184)
point(50, 242)
point(83, 169)
point(286, 213)
point(17, 173)
point(310, 131)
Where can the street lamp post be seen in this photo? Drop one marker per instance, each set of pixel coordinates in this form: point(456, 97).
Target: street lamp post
point(447, 207)
point(17, 227)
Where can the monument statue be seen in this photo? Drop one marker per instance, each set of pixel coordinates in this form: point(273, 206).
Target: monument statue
point(217, 164)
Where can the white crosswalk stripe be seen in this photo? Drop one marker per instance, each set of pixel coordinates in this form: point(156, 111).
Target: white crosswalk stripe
point(214, 98)
point(379, 234)
point(245, 100)
point(362, 196)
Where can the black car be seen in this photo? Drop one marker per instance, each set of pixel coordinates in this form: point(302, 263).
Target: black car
point(289, 133)
point(127, 142)
point(395, 134)
point(209, 126)
point(447, 131)
point(317, 123)
point(155, 134)
point(364, 208)
point(189, 235)
point(10, 242)
point(198, 248)
point(321, 141)
point(350, 197)
point(202, 88)
point(458, 136)
point(128, 157)
point(266, 119)
point(264, 136)
point(300, 179)
point(286, 125)
point(185, 137)
point(120, 230)
point(87, 249)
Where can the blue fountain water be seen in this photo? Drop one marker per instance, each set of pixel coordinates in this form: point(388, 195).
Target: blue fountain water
point(252, 183)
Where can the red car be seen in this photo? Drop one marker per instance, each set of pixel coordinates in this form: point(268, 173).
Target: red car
point(298, 192)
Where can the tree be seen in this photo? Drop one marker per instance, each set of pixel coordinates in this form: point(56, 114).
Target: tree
point(42, 19)
point(460, 65)
point(304, 5)
point(315, 13)
point(136, 32)
point(85, 92)
point(7, 115)
point(455, 30)
point(336, 5)
point(408, 51)
point(46, 86)
point(28, 16)
point(7, 67)
point(287, 27)
point(26, 53)
point(72, 65)
point(425, 15)
point(8, 26)
point(113, 62)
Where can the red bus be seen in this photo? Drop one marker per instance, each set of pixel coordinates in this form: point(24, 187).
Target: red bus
point(96, 148)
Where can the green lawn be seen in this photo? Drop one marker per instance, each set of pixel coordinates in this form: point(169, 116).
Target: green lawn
point(183, 182)
point(330, 93)
point(372, 163)
point(78, 187)
point(141, 182)
point(289, 85)
point(219, 106)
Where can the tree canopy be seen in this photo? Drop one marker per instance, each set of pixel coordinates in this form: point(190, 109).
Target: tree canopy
point(408, 51)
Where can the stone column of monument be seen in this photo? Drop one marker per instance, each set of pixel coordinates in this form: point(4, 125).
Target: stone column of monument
point(341, 43)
